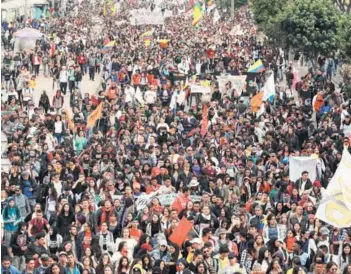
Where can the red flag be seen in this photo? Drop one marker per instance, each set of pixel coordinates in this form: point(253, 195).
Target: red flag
point(204, 124)
point(180, 233)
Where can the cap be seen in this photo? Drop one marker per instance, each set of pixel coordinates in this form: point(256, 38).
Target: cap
point(146, 246)
point(62, 253)
point(222, 231)
point(317, 183)
point(231, 255)
point(196, 241)
point(324, 231)
point(44, 257)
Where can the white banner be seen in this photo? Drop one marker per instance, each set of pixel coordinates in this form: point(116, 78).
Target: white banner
point(299, 164)
point(237, 82)
point(200, 89)
point(335, 207)
point(146, 17)
point(165, 199)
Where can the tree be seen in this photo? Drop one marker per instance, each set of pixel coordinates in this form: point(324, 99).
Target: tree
point(226, 4)
point(311, 26)
point(343, 5)
point(268, 15)
point(265, 12)
point(344, 34)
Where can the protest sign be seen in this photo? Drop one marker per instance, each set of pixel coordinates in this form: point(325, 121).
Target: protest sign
point(237, 82)
point(165, 199)
point(299, 164)
point(146, 17)
point(200, 89)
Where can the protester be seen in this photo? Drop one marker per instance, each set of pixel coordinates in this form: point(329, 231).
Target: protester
point(170, 166)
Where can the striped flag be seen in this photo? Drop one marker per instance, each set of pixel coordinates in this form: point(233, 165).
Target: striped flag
point(210, 6)
point(197, 15)
point(147, 37)
point(70, 120)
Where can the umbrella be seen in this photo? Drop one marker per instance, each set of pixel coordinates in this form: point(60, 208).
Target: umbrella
point(28, 33)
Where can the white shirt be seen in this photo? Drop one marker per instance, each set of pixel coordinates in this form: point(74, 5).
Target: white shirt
point(58, 127)
point(64, 76)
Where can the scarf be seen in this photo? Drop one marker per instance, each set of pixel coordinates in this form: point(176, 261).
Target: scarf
point(105, 215)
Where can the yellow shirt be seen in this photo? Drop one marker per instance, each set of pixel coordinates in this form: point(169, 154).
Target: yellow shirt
point(223, 263)
point(33, 83)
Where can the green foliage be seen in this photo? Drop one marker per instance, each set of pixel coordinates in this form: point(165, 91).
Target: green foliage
point(308, 26)
point(226, 4)
point(344, 35)
point(266, 12)
point(311, 26)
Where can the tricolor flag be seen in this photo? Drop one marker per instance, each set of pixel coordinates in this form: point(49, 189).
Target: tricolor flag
point(197, 15)
point(257, 67)
point(94, 116)
point(147, 37)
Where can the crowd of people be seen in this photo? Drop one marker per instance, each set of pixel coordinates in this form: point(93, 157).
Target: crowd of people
point(71, 200)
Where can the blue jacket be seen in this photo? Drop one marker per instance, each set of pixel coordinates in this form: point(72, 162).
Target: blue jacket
point(12, 269)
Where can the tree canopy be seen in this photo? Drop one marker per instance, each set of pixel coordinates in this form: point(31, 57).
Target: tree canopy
point(314, 26)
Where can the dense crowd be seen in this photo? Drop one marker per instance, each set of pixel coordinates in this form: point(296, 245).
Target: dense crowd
point(71, 200)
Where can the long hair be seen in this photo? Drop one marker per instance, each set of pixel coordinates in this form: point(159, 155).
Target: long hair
point(70, 210)
point(120, 266)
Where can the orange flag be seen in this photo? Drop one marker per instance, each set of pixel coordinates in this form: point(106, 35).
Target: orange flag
point(94, 116)
point(180, 233)
point(70, 120)
point(204, 124)
point(256, 101)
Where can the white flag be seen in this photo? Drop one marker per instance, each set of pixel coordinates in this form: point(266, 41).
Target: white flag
point(216, 16)
point(335, 207)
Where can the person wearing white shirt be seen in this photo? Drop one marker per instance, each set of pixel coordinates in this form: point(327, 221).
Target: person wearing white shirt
point(150, 97)
point(63, 80)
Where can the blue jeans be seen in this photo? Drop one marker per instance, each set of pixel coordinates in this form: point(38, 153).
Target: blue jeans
point(58, 136)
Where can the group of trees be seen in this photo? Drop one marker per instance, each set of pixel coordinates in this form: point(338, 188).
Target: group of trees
point(312, 27)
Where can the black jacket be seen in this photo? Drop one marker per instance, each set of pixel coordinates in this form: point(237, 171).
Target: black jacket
point(17, 241)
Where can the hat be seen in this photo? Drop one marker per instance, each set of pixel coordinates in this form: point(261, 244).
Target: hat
point(231, 255)
point(222, 231)
point(163, 243)
point(127, 166)
point(310, 216)
point(44, 257)
point(62, 253)
point(196, 241)
point(324, 231)
point(146, 246)
point(70, 177)
point(193, 183)
point(317, 183)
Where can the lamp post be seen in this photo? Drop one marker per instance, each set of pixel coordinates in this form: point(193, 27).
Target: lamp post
point(232, 11)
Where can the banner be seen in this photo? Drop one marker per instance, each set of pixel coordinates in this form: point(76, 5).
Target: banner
point(299, 164)
point(199, 89)
point(237, 82)
point(250, 85)
point(146, 17)
point(94, 116)
point(335, 207)
point(165, 199)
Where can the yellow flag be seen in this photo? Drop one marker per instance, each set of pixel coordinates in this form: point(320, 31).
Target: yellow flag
point(105, 10)
point(94, 116)
point(70, 120)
